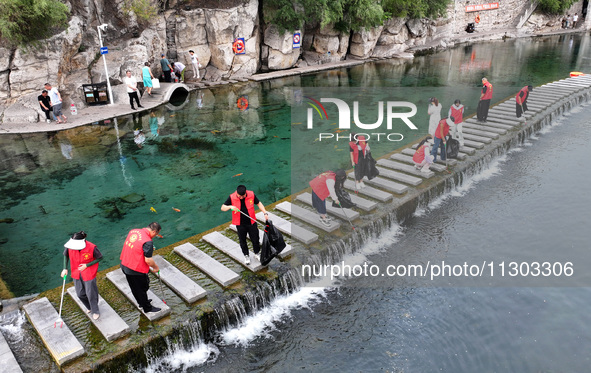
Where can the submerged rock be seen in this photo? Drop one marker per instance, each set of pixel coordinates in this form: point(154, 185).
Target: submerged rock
point(7, 220)
point(132, 198)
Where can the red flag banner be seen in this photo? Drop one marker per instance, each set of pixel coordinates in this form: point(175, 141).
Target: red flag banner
point(481, 7)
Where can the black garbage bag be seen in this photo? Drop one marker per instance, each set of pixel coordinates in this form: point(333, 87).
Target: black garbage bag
point(344, 197)
point(371, 168)
point(452, 148)
point(273, 243)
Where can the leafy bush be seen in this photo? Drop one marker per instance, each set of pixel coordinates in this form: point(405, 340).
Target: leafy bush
point(143, 9)
point(415, 8)
point(23, 22)
point(554, 6)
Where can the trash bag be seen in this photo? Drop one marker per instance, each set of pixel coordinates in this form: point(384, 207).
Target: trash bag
point(372, 171)
point(452, 148)
point(344, 197)
point(273, 243)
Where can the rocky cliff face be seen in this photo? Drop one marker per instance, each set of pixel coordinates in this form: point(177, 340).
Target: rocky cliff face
point(71, 58)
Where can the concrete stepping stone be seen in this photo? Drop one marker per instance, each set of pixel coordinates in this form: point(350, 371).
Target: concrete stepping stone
point(473, 144)
point(563, 83)
point(309, 217)
point(336, 211)
point(553, 91)
point(388, 185)
point(480, 132)
point(531, 107)
point(545, 95)
point(60, 341)
point(293, 230)
point(494, 124)
point(7, 360)
point(411, 152)
point(208, 265)
point(110, 324)
point(394, 175)
point(232, 249)
point(405, 168)
point(408, 159)
point(117, 277)
point(472, 126)
point(494, 121)
point(369, 191)
point(178, 281)
point(509, 116)
point(469, 136)
point(287, 250)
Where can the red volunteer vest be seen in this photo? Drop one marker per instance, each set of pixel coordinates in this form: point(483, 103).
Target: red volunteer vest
point(458, 114)
point(318, 184)
point(132, 255)
point(355, 148)
point(419, 155)
point(443, 123)
point(489, 90)
point(249, 200)
point(83, 256)
point(523, 92)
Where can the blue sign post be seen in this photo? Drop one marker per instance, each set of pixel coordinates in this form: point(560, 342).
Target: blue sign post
point(296, 40)
point(104, 50)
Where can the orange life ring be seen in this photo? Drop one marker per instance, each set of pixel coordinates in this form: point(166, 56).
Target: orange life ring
point(576, 73)
point(477, 19)
point(238, 46)
point(242, 103)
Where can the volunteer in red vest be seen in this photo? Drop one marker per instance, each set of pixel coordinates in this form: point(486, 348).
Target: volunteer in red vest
point(456, 111)
point(422, 157)
point(242, 203)
point(136, 262)
point(521, 100)
point(323, 186)
point(484, 103)
point(440, 133)
point(358, 149)
point(84, 257)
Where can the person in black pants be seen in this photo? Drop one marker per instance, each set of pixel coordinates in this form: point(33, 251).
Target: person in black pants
point(484, 103)
point(131, 85)
point(45, 104)
point(242, 203)
point(137, 262)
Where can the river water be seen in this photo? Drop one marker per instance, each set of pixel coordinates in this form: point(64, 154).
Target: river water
point(527, 205)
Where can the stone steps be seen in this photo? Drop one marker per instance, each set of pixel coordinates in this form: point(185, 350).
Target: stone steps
point(385, 184)
point(110, 324)
point(369, 191)
point(490, 129)
point(283, 254)
point(58, 339)
point(436, 166)
point(178, 281)
point(286, 227)
point(232, 249)
point(478, 132)
point(309, 217)
point(394, 175)
point(7, 360)
point(336, 211)
point(469, 136)
point(208, 265)
point(411, 152)
point(494, 122)
point(117, 277)
point(405, 168)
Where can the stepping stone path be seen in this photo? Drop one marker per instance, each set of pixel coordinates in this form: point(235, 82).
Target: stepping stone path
point(397, 176)
point(283, 254)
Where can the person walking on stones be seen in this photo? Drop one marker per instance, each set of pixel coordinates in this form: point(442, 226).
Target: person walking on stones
point(147, 77)
point(131, 85)
point(242, 203)
point(166, 68)
point(456, 111)
point(422, 157)
point(434, 112)
point(484, 103)
point(84, 257)
point(195, 63)
point(179, 70)
point(568, 20)
point(56, 103)
point(440, 138)
point(358, 149)
point(323, 186)
point(45, 104)
point(521, 100)
point(136, 262)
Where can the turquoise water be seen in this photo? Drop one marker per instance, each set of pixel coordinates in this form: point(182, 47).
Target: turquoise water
point(194, 155)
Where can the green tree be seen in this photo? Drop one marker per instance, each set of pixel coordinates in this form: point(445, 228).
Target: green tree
point(415, 8)
point(143, 9)
point(554, 6)
point(23, 22)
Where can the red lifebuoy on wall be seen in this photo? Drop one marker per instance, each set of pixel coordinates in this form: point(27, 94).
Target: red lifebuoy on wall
point(477, 19)
point(242, 103)
point(238, 46)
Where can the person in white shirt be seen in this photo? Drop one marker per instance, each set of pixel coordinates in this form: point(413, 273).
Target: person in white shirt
point(195, 63)
point(575, 19)
point(131, 85)
point(179, 70)
point(56, 103)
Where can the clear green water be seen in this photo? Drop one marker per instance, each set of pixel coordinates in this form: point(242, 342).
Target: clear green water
point(188, 167)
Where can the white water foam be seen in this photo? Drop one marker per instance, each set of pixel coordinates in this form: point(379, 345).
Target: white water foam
point(13, 327)
point(179, 359)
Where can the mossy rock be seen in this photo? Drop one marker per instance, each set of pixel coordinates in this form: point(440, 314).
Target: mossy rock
point(132, 198)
